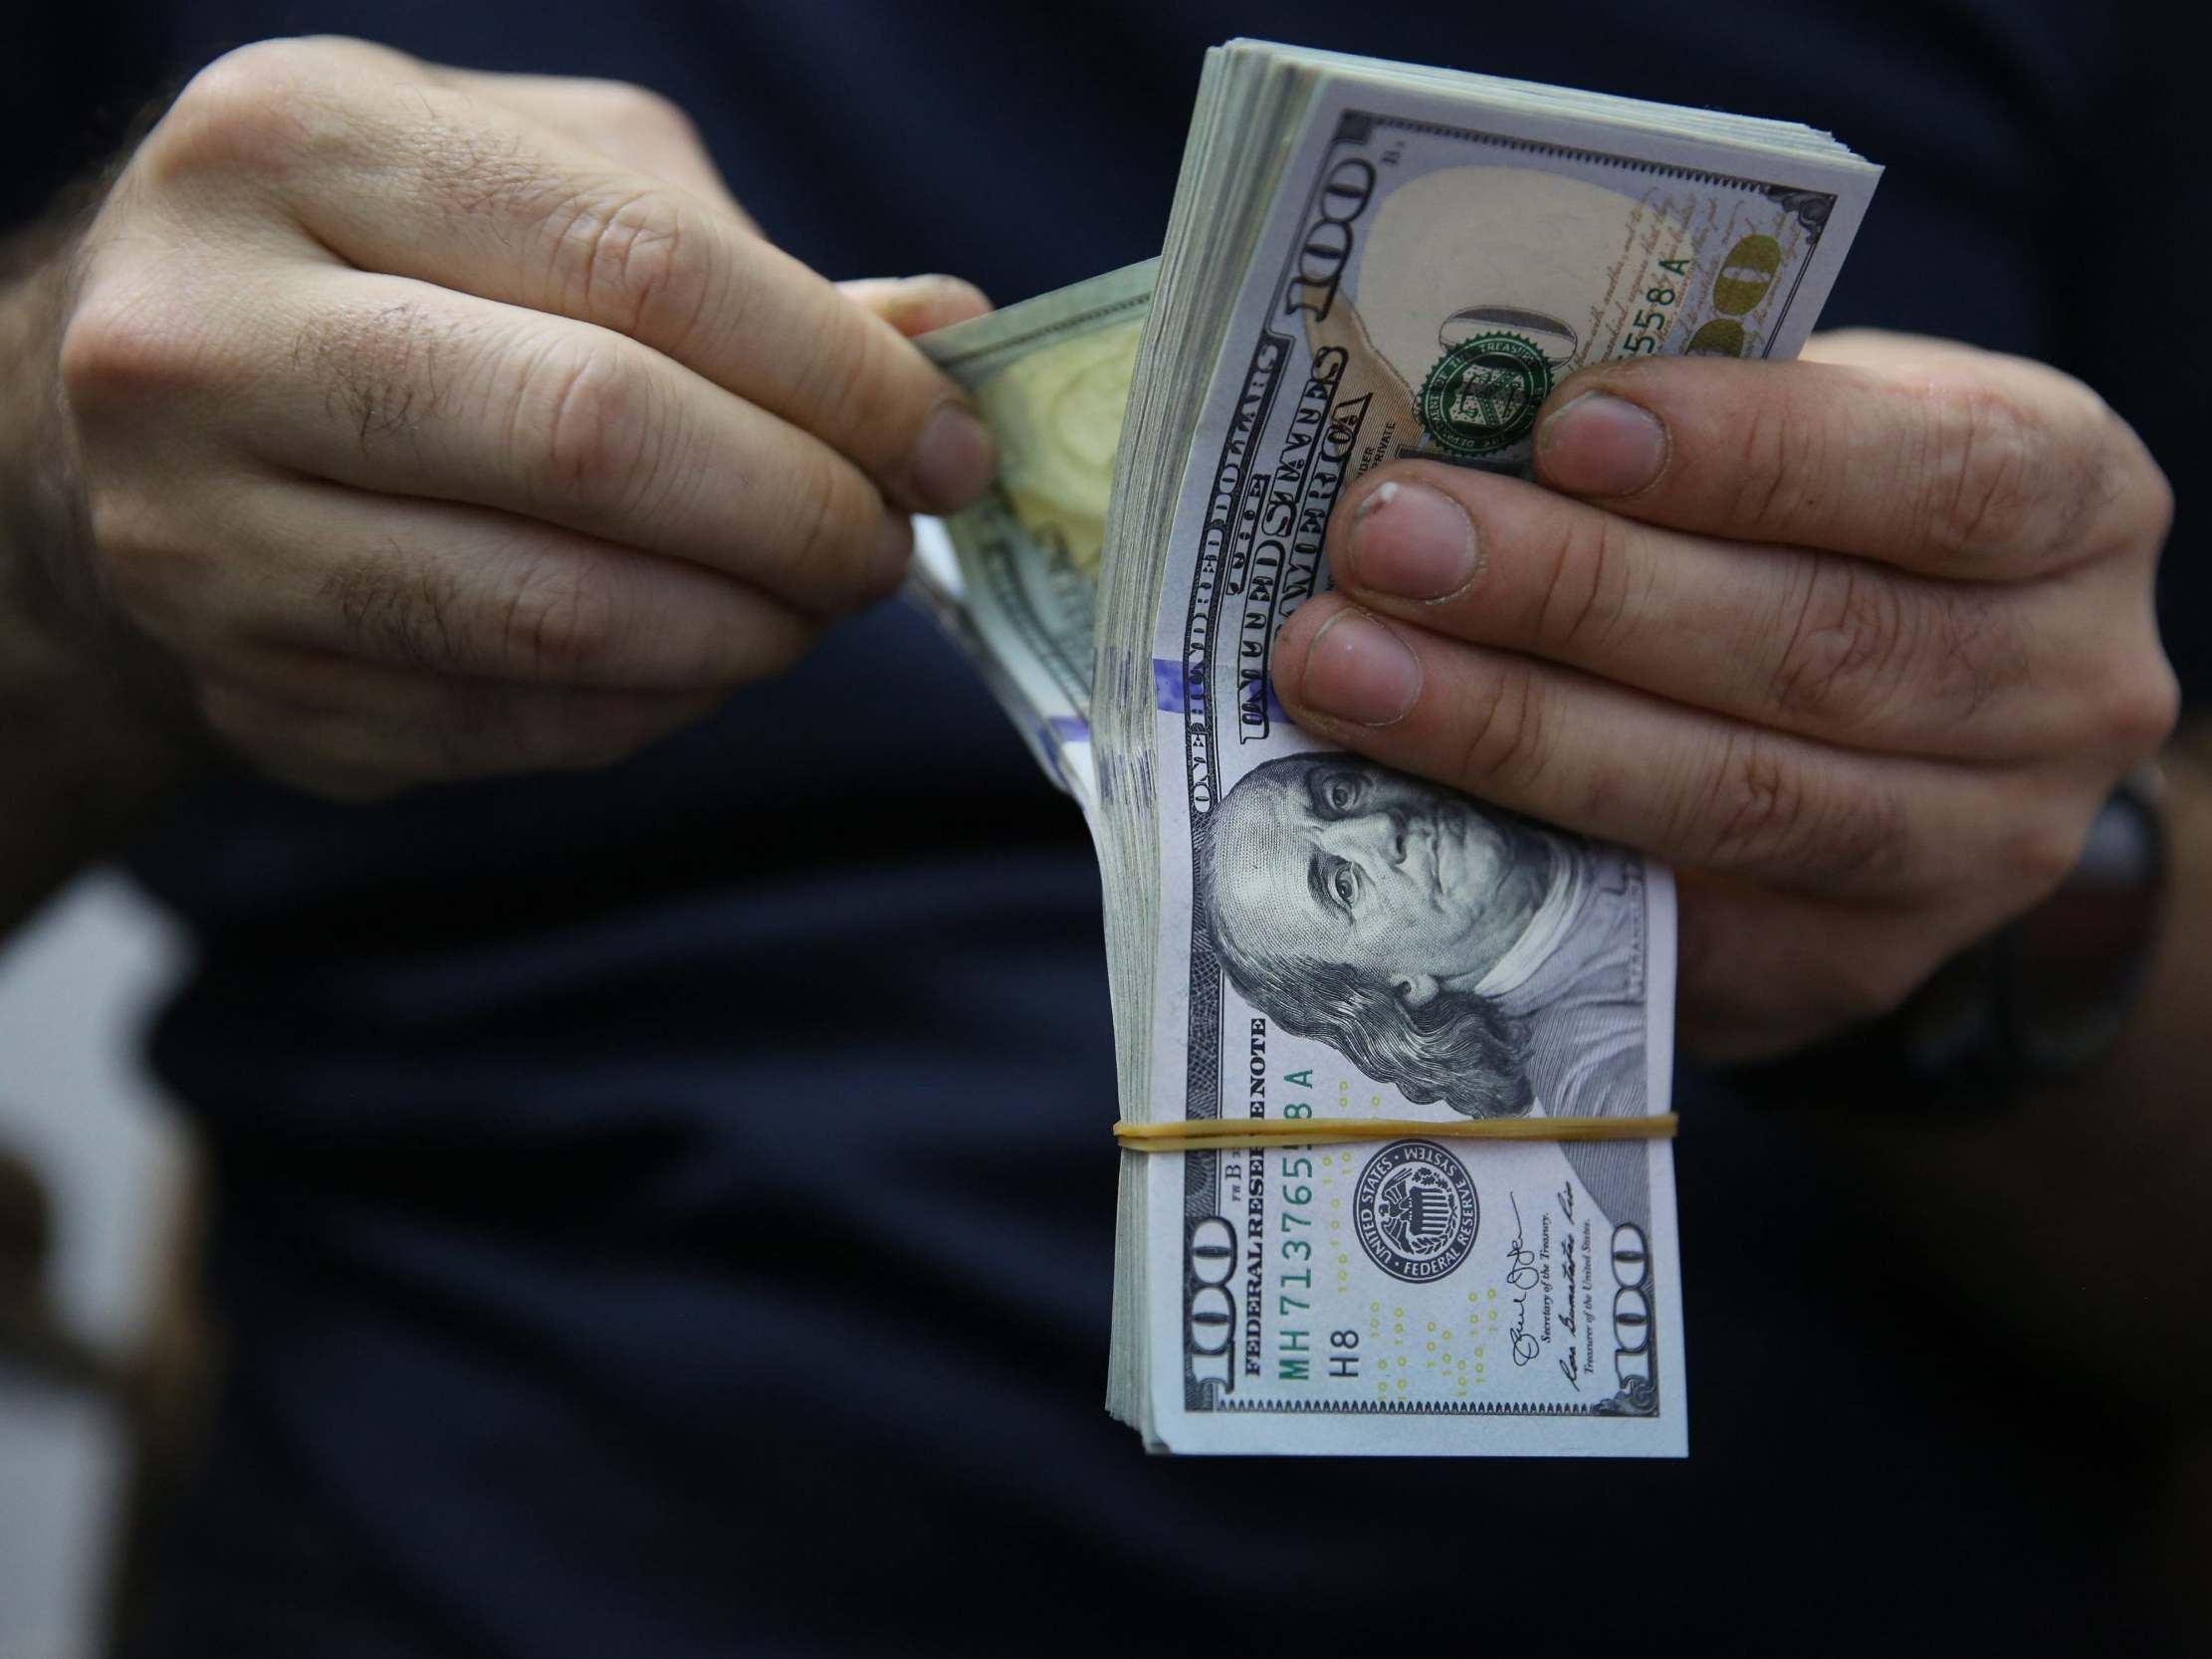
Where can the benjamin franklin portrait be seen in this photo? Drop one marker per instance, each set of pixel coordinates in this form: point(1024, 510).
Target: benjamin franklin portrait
point(1455, 950)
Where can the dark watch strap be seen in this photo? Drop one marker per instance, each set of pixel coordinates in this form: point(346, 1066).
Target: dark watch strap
point(2048, 992)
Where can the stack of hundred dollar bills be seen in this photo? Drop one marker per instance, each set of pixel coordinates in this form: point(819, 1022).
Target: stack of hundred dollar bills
point(1365, 261)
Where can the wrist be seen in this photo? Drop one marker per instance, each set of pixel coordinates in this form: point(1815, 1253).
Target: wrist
point(2047, 995)
point(59, 632)
point(2044, 999)
point(95, 723)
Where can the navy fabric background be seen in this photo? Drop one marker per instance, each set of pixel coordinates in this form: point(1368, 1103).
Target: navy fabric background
point(669, 1213)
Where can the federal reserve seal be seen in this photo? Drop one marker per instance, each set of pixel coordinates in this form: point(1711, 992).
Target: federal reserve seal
point(1416, 1212)
point(1483, 393)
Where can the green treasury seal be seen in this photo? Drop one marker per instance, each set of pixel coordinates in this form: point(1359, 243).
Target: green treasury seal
point(1483, 393)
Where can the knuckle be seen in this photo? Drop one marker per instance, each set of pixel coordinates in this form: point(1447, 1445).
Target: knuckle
point(1777, 460)
point(2042, 851)
point(123, 348)
point(589, 428)
point(1764, 814)
point(1841, 643)
point(830, 548)
point(629, 261)
point(1502, 736)
point(1757, 808)
point(819, 533)
point(846, 384)
point(2137, 708)
point(253, 108)
point(1983, 464)
point(159, 577)
point(2130, 492)
point(638, 110)
point(558, 622)
point(1864, 647)
point(1974, 649)
point(1589, 599)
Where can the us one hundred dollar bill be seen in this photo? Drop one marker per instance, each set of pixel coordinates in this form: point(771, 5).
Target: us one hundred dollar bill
point(1016, 574)
point(1365, 262)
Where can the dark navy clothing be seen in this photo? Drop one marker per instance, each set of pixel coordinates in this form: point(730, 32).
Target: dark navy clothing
point(669, 1213)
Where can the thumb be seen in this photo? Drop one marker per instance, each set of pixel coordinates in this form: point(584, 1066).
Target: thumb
point(918, 304)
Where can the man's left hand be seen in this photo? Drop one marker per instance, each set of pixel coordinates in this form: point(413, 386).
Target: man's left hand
point(1858, 643)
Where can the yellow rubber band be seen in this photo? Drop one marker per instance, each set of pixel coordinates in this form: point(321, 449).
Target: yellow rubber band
point(1205, 1134)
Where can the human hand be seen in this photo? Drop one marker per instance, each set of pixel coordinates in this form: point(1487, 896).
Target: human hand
point(442, 425)
point(1858, 643)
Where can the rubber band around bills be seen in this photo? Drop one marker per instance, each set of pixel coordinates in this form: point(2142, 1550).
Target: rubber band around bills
point(1197, 1135)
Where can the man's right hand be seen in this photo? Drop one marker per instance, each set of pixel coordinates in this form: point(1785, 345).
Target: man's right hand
point(445, 425)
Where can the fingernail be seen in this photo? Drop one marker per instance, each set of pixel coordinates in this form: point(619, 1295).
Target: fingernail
point(1357, 670)
point(954, 459)
point(1411, 542)
point(1601, 445)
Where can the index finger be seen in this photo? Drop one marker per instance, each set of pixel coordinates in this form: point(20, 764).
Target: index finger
point(406, 175)
point(1934, 458)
